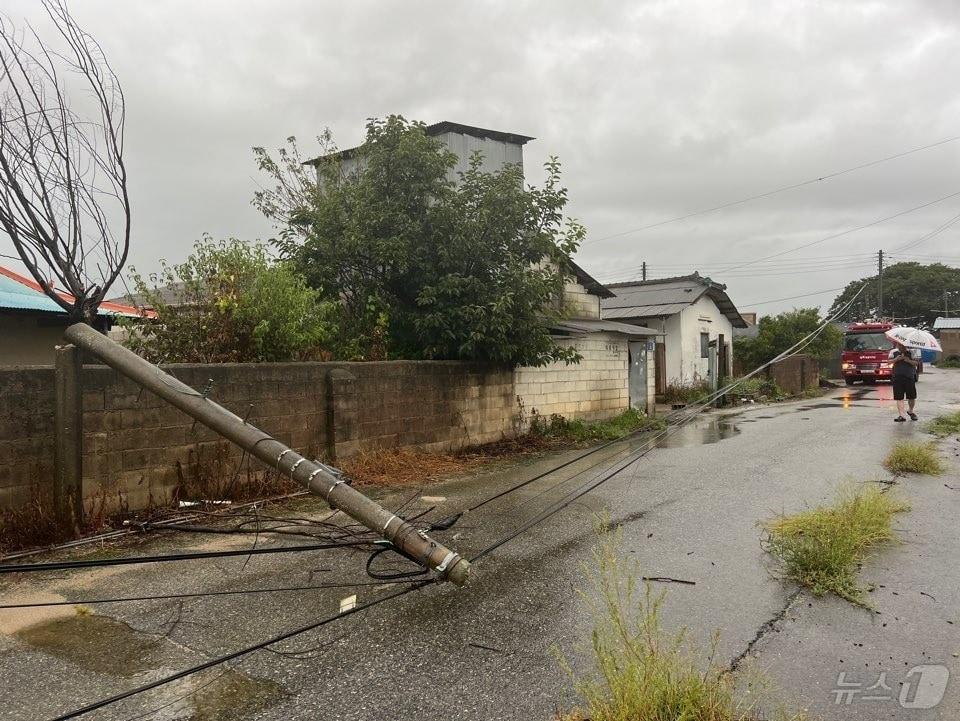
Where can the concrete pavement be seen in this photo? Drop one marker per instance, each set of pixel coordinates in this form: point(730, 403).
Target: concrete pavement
point(688, 510)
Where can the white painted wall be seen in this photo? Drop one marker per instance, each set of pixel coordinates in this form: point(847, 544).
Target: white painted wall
point(701, 317)
point(595, 388)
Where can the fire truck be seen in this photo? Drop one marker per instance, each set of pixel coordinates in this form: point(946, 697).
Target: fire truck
point(865, 353)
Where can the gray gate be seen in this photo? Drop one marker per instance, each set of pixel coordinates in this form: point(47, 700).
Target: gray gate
point(638, 375)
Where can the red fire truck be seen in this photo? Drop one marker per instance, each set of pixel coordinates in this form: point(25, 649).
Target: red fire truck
point(865, 351)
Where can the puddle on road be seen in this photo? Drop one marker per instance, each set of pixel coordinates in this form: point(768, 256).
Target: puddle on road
point(99, 643)
point(233, 696)
point(698, 434)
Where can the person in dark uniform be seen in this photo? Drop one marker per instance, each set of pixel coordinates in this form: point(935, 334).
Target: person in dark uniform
point(904, 381)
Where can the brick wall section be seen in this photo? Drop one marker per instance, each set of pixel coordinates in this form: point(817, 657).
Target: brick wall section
point(137, 444)
point(595, 388)
point(950, 342)
point(795, 375)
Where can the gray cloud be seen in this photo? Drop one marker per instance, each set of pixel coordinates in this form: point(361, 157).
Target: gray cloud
point(656, 109)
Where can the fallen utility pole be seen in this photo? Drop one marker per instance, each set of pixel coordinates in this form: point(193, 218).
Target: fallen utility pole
point(314, 476)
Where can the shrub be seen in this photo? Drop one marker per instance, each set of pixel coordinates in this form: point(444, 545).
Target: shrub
point(951, 362)
point(946, 425)
point(682, 391)
point(557, 427)
point(914, 457)
point(229, 302)
point(761, 388)
point(823, 547)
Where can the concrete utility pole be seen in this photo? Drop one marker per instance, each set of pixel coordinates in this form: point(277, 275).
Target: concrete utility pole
point(880, 285)
point(313, 476)
point(643, 270)
point(68, 438)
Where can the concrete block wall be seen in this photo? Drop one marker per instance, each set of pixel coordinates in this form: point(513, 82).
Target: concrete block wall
point(138, 447)
point(595, 388)
point(579, 303)
point(796, 374)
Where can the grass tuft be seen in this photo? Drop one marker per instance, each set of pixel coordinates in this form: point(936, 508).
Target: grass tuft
point(949, 362)
point(823, 547)
point(642, 672)
point(914, 457)
point(945, 425)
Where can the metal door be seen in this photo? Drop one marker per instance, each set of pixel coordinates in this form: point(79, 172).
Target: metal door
point(638, 375)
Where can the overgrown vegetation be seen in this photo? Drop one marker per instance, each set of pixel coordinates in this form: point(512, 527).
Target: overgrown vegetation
point(822, 548)
point(559, 428)
point(641, 671)
point(951, 362)
point(418, 265)
point(230, 302)
point(914, 457)
point(945, 425)
point(778, 333)
point(685, 391)
point(761, 389)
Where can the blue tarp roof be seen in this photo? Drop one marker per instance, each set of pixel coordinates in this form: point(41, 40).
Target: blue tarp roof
point(18, 295)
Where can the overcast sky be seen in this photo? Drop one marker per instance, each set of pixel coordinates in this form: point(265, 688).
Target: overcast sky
point(656, 110)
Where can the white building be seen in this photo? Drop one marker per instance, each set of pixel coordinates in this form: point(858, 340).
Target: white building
point(498, 148)
point(617, 366)
point(696, 316)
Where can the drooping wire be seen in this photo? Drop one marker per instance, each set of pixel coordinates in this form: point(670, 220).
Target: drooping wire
point(226, 658)
point(101, 562)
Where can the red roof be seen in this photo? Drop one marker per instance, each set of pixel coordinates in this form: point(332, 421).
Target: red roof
point(105, 306)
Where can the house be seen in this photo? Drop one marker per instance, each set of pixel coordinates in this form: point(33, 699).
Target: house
point(949, 331)
point(31, 323)
point(616, 369)
point(695, 316)
point(613, 373)
point(498, 148)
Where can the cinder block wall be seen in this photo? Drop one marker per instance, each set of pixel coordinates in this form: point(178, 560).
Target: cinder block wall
point(796, 374)
point(137, 445)
point(592, 389)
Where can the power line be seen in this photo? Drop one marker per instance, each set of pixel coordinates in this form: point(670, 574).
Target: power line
point(791, 297)
point(848, 231)
point(98, 563)
point(775, 191)
point(237, 654)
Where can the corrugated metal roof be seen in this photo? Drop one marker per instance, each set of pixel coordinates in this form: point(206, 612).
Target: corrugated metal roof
point(644, 299)
point(647, 311)
point(587, 325)
point(20, 293)
point(949, 323)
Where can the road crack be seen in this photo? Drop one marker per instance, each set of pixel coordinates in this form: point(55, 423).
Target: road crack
point(764, 629)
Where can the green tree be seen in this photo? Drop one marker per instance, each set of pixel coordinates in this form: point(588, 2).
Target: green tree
point(424, 267)
point(912, 294)
point(779, 332)
point(229, 302)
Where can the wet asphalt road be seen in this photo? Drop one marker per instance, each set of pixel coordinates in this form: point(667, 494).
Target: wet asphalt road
point(688, 511)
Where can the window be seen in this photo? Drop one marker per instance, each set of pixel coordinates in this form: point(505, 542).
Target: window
point(704, 345)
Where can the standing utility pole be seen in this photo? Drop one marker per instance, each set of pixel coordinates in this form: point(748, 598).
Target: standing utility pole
point(644, 270)
point(880, 285)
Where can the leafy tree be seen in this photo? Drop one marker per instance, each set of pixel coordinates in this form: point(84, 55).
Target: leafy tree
point(424, 267)
point(912, 293)
point(229, 302)
point(779, 332)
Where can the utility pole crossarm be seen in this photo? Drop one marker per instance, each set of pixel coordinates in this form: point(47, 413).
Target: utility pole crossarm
point(314, 476)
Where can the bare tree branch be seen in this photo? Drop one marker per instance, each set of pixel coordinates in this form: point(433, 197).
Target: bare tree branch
point(63, 182)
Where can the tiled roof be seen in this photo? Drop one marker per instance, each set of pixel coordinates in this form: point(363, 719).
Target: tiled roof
point(950, 323)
